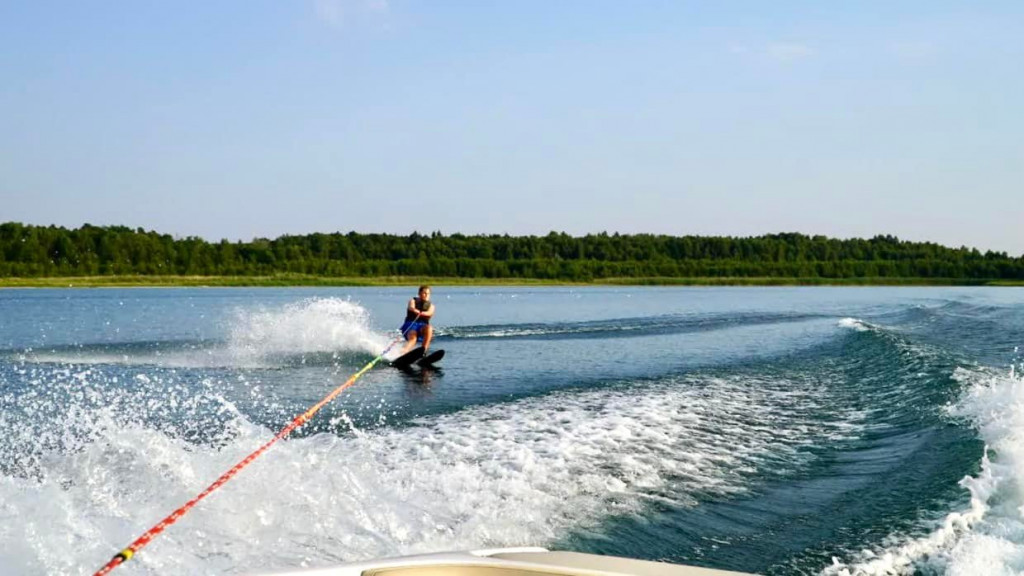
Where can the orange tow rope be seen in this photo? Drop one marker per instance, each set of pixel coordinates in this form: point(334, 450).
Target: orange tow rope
point(126, 554)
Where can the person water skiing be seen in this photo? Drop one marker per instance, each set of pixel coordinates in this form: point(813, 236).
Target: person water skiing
point(417, 320)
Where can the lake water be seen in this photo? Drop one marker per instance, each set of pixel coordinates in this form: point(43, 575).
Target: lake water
point(771, 430)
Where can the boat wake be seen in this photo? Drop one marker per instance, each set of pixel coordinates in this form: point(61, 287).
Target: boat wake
point(986, 536)
point(524, 472)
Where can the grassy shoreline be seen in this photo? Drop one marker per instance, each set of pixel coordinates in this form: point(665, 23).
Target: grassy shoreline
point(304, 280)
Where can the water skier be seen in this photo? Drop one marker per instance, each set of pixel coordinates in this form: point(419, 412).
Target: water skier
point(417, 321)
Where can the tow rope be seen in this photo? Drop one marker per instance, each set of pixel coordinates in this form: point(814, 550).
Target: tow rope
point(133, 548)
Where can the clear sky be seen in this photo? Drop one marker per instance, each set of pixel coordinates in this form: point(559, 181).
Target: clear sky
point(238, 119)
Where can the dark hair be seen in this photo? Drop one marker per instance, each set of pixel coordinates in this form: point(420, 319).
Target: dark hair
point(423, 287)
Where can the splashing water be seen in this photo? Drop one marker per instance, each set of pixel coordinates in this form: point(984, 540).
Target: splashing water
point(313, 325)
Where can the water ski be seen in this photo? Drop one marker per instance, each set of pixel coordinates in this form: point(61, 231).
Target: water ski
point(406, 360)
point(429, 359)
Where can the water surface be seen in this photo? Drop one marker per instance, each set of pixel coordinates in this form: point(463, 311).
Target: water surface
point(772, 430)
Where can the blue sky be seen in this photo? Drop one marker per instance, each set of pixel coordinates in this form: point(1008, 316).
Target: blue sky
point(260, 118)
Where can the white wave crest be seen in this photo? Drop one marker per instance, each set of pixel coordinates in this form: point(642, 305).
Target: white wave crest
point(988, 536)
point(855, 324)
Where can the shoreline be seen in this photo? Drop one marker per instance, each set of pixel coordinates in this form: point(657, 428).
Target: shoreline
point(315, 281)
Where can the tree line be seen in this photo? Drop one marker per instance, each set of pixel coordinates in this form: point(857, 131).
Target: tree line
point(29, 251)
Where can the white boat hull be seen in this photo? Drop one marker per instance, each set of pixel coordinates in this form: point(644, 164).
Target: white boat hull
point(509, 562)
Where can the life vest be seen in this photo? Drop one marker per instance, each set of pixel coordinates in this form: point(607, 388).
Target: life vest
point(421, 305)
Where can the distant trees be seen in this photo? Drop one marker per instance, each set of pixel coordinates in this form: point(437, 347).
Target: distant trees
point(38, 251)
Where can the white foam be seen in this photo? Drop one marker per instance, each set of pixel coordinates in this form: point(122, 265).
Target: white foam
point(988, 536)
point(526, 472)
point(855, 324)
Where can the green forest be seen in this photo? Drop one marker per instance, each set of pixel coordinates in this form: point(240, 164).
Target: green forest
point(28, 251)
